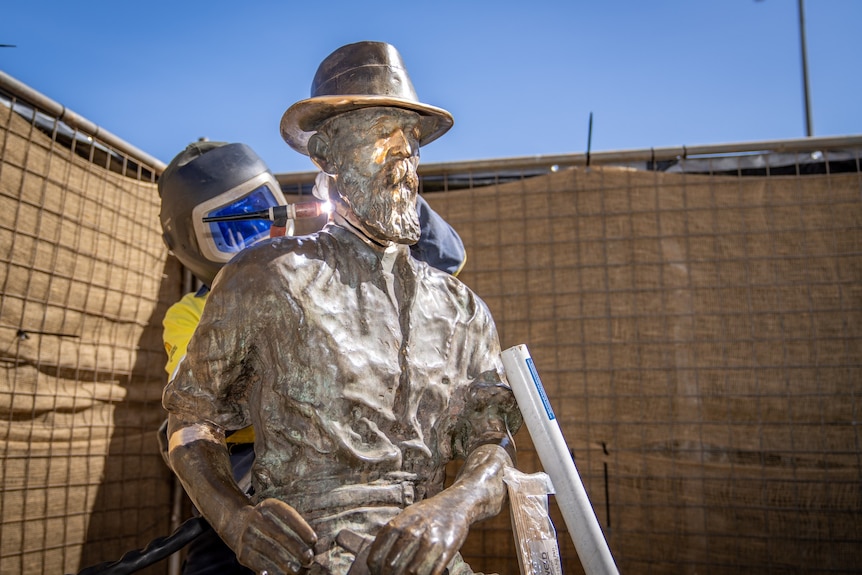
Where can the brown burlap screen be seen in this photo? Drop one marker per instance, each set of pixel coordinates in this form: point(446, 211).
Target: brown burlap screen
point(83, 274)
point(699, 338)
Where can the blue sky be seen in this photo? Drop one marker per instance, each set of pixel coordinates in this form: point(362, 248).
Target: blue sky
point(520, 78)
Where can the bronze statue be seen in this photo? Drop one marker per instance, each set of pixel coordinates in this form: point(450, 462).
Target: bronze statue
point(363, 370)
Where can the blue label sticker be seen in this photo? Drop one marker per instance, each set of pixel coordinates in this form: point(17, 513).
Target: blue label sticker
point(540, 389)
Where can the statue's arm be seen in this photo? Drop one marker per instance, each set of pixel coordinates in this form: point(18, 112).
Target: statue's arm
point(479, 489)
point(425, 536)
point(270, 536)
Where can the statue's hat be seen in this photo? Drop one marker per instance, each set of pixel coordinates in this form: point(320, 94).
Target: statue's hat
point(360, 75)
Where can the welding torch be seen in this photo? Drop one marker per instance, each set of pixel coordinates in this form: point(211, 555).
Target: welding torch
point(278, 215)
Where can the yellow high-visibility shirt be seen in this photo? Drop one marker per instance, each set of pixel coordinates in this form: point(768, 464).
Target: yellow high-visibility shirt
point(179, 324)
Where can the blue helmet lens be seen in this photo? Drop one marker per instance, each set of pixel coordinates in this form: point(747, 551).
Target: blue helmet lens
point(232, 236)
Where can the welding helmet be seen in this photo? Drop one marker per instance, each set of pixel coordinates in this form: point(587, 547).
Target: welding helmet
point(214, 179)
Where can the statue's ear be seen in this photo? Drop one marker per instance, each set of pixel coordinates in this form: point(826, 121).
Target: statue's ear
point(318, 151)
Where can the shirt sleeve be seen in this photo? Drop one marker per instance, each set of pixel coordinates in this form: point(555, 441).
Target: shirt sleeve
point(439, 244)
point(179, 324)
point(490, 413)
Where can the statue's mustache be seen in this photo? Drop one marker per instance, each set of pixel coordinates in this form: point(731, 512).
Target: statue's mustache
point(401, 171)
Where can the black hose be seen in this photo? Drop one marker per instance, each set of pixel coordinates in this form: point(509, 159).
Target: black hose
point(155, 551)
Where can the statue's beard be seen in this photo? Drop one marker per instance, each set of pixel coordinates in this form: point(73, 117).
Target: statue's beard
point(386, 206)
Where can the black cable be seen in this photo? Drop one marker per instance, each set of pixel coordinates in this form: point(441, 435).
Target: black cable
point(155, 551)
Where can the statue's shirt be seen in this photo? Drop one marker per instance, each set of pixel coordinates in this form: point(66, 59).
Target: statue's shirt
point(363, 370)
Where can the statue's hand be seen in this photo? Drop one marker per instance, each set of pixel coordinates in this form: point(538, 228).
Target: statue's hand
point(275, 539)
point(422, 539)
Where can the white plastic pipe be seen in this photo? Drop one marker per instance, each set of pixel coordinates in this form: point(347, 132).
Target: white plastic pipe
point(578, 513)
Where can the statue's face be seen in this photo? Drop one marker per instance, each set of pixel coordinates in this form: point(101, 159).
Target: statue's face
point(376, 152)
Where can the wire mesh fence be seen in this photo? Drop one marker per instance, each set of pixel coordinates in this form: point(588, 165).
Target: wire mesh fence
point(694, 315)
point(84, 283)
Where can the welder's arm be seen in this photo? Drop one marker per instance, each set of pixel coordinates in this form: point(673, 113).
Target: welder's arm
point(270, 536)
point(439, 244)
point(424, 537)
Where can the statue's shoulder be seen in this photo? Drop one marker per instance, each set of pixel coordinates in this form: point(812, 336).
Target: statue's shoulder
point(457, 291)
point(284, 248)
